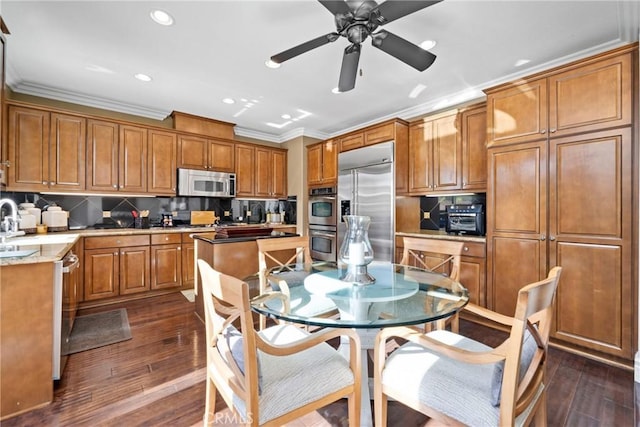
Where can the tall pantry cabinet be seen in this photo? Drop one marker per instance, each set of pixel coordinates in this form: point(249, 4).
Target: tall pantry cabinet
point(560, 192)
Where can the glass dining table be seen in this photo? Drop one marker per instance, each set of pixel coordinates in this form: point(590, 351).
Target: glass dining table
point(400, 295)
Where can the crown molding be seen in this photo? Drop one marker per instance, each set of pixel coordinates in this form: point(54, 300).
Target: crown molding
point(287, 136)
point(29, 88)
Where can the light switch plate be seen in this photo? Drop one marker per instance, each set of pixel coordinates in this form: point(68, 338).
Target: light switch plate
point(106, 214)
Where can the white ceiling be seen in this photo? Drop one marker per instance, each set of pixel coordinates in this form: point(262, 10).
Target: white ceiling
point(217, 49)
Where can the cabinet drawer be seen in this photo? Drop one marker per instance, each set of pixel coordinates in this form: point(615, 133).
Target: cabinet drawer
point(379, 134)
point(165, 238)
point(474, 249)
point(115, 241)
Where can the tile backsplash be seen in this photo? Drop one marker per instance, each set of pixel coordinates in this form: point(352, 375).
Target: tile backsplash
point(88, 210)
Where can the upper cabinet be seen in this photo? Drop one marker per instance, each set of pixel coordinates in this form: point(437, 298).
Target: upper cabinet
point(162, 162)
point(46, 151)
point(587, 96)
point(196, 152)
point(245, 170)
point(117, 157)
point(322, 164)
point(271, 173)
point(447, 152)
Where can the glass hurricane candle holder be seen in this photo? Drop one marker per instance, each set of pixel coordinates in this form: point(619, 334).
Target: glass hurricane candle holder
point(356, 251)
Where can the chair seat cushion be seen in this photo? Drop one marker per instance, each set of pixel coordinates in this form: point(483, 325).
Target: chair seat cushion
point(289, 382)
point(460, 390)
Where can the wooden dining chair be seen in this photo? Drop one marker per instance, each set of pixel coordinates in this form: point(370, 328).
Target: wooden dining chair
point(289, 253)
point(273, 376)
point(437, 255)
point(458, 381)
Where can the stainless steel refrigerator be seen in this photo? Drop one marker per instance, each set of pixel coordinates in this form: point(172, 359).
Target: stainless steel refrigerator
point(366, 186)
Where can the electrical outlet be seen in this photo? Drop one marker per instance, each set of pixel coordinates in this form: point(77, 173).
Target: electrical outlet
point(227, 213)
point(174, 213)
point(426, 215)
point(248, 213)
point(106, 214)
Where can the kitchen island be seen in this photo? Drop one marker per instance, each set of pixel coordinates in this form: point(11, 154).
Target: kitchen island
point(235, 254)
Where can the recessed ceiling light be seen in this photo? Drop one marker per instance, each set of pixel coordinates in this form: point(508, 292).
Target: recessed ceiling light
point(521, 62)
point(98, 69)
point(286, 116)
point(228, 101)
point(161, 17)
point(335, 90)
point(143, 77)
point(417, 90)
point(271, 64)
point(428, 44)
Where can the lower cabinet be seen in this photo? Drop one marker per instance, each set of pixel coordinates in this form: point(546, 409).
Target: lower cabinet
point(116, 265)
point(188, 264)
point(166, 260)
point(472, 267)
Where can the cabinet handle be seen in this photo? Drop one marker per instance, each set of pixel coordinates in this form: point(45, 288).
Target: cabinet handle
point(52, 183)
point(115, 186)
point(179, 248)
point(466, 249)
point(121, 186)
point(45, 183)
point(115, 253)
point(552, 130)
point(543, 237)
point(552, 238)
point(543, 131)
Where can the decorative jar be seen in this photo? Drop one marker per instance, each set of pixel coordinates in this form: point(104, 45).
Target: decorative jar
point(356, 251)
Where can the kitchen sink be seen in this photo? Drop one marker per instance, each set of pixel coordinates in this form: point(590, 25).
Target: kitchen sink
point(15, 253)
point(44, 239)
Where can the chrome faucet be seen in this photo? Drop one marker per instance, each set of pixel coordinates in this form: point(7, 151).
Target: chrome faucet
point(10, 222)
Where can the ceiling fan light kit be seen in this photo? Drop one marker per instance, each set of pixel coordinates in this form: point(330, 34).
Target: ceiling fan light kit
point(358, 20)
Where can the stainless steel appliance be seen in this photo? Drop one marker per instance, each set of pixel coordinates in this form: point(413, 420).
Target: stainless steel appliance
point(323, 242)
point(323, 217)
point(323, 209)
point(366, 186)
point(466, 219)
point(65, 304)
point(193, 182)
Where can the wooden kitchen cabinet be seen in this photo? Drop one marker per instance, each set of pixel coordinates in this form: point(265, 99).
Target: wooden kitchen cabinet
point(196, 152)
point(117, 157)
point(474, 148)
point(435, 155)
point(46, 150)
point(322, 164)
point(245, 170)
point(162, 163)
point(166, 260)
point(188, 261)
point(116, 265)
point(584, 96)
point(351, 142)
point(271, 173)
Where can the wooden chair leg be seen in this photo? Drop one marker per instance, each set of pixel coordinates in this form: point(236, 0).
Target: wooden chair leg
point(210, 404)
point(540, 417)
point(380, 411)
point(455, 323)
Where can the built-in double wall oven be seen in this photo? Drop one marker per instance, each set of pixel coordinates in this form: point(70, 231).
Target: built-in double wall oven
point(323, 220)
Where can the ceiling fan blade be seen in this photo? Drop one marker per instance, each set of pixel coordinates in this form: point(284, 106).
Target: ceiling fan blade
point(405, 51)
point(304, 47)
point(391, 10)
point(349, 68)
point(336, 6)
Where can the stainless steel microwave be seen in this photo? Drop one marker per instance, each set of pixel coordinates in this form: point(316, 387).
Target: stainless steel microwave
point(193, 182)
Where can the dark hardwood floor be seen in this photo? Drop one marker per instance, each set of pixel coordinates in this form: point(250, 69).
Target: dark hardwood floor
point(157, 378)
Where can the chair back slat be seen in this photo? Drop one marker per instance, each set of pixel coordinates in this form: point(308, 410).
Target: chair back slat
point(451, 250)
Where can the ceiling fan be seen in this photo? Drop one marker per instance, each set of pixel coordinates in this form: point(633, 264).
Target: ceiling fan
point(357, 20)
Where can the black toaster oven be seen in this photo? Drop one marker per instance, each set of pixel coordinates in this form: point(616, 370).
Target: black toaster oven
point(466, 219)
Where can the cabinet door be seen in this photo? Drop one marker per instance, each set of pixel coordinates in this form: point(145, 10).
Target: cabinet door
point(383, 133)
point(245, 170)
point(474, 149)
point(472, 277)
point(314, 164)
point(222, 156)
point(193, 152)
point(188, 264)
point(162, 163)
point(420, 157)
point(67, 152)
point(401, 159)
point(28, 149)
point(590, 205)
point(351, 142)
point(134, 269)
point(329, 162)
point(102, 154)
point(279, 174)
point(264, 171)
point(133, 159)
point(101, 273)
point(517, 113)
point(447, 150)
point(591, 97)
point(166, 266)
point(516, 222)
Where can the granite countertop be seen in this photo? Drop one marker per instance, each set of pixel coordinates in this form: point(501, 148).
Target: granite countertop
point(437, 234)
point(52, 247)
point(209, 238)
